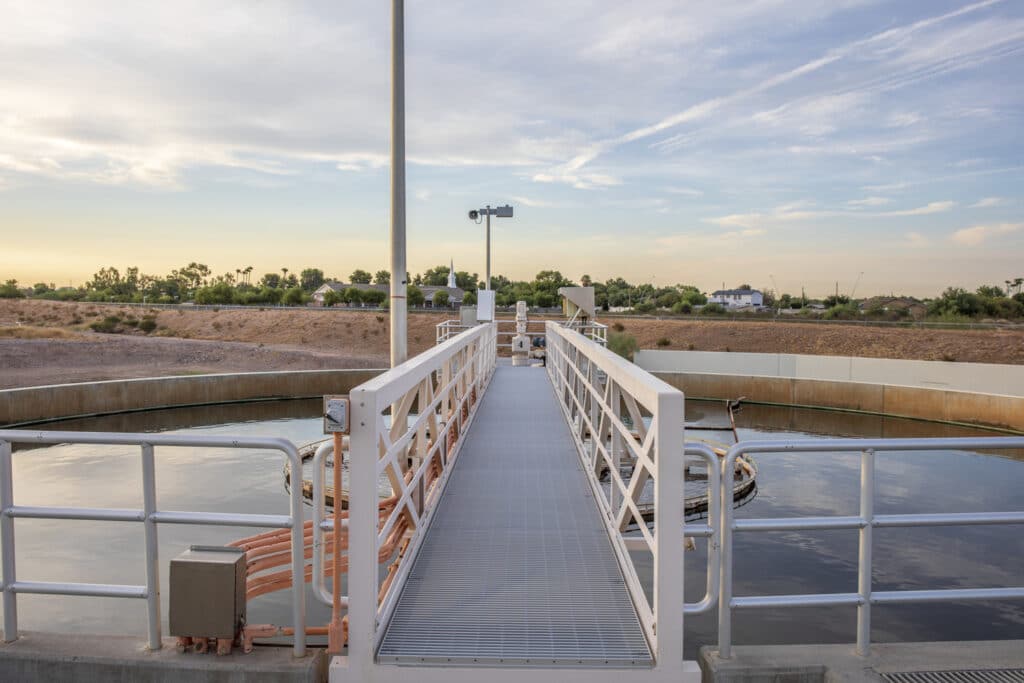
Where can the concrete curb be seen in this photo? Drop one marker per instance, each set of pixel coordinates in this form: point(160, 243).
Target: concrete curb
point(88, 399)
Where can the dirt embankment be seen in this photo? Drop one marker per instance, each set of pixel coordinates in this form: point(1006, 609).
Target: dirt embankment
point(44, 342)
point(822, 339)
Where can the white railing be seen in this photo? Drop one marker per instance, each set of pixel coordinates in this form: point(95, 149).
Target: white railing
point(149, 516)
point(431, 399)
point(628, 426)
point(506, 329)
point(864, 597)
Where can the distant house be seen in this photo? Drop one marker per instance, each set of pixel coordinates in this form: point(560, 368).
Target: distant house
point(737, 298)
point(455, 294)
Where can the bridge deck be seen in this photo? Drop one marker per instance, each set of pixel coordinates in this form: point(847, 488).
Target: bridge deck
point(516, 567)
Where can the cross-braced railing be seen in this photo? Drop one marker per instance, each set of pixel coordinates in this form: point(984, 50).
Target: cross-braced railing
point(431, 401)
point(628, 429)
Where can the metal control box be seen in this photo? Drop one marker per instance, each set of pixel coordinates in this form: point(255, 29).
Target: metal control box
point(207, 592)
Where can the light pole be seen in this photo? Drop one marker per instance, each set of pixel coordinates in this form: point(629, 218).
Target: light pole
point(399, 346)
point(487, 211)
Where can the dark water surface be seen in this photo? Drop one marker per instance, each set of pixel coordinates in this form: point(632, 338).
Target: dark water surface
point(765, 563)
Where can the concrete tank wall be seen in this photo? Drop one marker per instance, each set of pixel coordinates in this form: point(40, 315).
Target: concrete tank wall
point(981, 378)
point(32, 404)
point(971, 393)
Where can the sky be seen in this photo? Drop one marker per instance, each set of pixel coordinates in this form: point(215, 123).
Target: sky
point(872, 145)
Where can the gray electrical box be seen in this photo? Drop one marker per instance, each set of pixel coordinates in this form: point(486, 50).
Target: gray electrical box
point(207, 592)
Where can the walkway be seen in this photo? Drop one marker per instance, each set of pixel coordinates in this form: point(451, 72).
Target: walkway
point(516, 567)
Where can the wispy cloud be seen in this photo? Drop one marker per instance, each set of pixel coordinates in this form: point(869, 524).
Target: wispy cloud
point(977, 234)
point(581, 181)
point(869, 201)
point(687, 191)
point(933, 207)
point(988, 202)
point(919, 66)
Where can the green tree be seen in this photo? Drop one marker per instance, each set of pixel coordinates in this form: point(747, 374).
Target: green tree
point(360, 277)
point(414, 295)
point(469, 299)
point(956, 301)
point(549, 281)
point(382, 277)
point(585, 281)
point(332, 298)
point(10, 290)
point(435, 277)
point(311, 279)
point(440, 299)
point(220, 293)
point(374, 297)
point(42, 288)
point(294, 296)
point(352, 295)
point(270, 280)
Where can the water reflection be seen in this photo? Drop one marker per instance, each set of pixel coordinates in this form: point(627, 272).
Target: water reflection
point(767, 563)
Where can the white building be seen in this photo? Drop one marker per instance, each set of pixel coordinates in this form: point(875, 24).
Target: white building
point(737, 298)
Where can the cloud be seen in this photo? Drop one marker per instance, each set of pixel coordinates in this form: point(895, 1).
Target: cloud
point(977, 234)
point(869, 201)
point(933, 207)
point(916, 65)
point(583, 181)
point(988, 202)
point(423, 195)
point(687, 191)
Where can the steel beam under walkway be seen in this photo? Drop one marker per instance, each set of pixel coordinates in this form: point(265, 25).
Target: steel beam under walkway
point(516, 567)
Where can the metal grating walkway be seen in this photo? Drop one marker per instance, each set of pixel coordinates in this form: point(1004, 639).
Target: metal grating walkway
point(968, 676)
point(516, 567)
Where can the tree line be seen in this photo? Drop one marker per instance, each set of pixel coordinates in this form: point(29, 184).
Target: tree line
point(197, 283)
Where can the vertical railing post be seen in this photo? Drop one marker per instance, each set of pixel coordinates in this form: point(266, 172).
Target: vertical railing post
point(7, 541)
point(867, 513)
point(725, 558)
point(592, 393)
point(668, 531)
point(616, 445)
point(362, 533)
point(152, 546)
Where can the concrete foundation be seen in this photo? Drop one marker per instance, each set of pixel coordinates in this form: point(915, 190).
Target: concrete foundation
point(840, 664)
point(45, 657)
point(86, 399)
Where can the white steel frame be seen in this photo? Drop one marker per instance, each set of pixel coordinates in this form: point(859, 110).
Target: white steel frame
point(149, 515)
point(445, 384)
point(593, 386)
point(864, 523)
point(595, 331)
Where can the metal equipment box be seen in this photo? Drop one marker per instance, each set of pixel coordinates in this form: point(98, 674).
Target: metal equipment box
point(207, 592)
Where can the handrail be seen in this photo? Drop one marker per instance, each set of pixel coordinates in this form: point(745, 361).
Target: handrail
point(864, 523)
point(709, 530)
point(598, 392)
point(416, 452)
point(149, 515)
point(595, 331)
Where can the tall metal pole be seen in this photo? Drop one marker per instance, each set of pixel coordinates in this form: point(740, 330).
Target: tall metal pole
point(399, 346)
point(488, 281)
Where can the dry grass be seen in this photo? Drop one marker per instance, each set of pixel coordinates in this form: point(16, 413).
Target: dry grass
point(25, 332)
point(364, 334)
